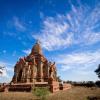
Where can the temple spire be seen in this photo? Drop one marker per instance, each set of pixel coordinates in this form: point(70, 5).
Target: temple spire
point(38, 41)
point(37, 48)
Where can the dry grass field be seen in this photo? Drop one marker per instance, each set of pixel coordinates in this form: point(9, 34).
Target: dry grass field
point(76, 93)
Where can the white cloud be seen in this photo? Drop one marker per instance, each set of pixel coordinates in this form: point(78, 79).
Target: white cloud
point(92, 38)
point(18, 24)
point(79, 26)
point(79, 63)
point(28, 51)
point(52, 34)
point(2, 63)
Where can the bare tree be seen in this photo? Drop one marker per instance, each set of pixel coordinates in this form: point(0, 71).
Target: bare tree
point(1, 69)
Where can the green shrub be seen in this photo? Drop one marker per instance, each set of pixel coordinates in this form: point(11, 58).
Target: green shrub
point(41, 92)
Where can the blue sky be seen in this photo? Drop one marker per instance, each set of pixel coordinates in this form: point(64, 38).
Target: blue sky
point(69, 32)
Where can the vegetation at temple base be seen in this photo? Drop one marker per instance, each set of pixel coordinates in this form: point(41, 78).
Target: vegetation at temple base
point(41, 92)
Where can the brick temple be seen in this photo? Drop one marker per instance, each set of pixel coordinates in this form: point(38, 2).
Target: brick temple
point(35, 70)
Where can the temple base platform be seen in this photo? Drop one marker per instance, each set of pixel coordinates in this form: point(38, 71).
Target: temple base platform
point(53, 86)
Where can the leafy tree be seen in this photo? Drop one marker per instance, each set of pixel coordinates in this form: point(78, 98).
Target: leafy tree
point(98, 71)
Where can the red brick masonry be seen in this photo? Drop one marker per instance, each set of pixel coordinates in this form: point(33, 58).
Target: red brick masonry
point(53, 87)
point(56, 86)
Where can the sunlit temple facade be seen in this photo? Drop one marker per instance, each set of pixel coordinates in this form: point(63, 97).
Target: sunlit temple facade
point(34, 68)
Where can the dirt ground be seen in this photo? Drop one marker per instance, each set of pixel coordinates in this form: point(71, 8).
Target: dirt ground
point(75, 93)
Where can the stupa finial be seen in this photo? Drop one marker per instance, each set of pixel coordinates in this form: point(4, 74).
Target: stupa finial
point(38, 41)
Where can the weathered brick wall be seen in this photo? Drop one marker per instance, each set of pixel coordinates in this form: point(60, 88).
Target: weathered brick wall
point(54, 87)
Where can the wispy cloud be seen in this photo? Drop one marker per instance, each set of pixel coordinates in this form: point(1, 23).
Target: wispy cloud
point(18, 24)
point(28, 51)
point(79, 26)
point(15, 23)
point(79, 64)
point(81, 61)
point(52, 33)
